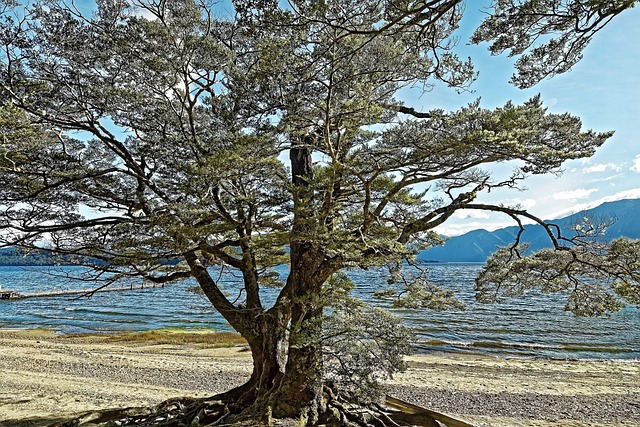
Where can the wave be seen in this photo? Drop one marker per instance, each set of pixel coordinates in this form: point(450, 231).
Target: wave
point(101, 312)
point(90, 319)
point(517, 347)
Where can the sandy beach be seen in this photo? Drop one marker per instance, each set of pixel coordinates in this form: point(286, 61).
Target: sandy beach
point(44, 377)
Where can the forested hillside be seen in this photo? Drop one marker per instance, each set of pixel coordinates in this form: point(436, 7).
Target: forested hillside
point(12, 256)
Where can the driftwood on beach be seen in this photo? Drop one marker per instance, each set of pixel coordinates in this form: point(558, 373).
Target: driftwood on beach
point(418, 416)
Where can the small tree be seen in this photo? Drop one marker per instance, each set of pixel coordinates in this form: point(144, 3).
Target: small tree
point(162, 139)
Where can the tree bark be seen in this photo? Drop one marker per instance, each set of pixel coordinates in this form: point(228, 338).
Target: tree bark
point(285, 340)
point(286, 381)
point(268, 349)
point(299, 394)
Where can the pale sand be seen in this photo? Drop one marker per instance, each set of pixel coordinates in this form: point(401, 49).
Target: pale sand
point(45, 377)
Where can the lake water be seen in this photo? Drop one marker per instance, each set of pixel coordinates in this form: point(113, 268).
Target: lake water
point(535, 326)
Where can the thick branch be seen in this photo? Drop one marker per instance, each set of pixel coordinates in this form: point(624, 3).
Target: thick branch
point(409, 110)
point(232, 314)
point(218, 252)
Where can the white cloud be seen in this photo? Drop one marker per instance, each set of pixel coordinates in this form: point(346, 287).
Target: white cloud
point(457, 229)
point(577, 194)
point(622, 195)
point(595, 168)
point(471, 213)
point(602, 167)
point(636, 164)
point(520, 203)
point(608, 178)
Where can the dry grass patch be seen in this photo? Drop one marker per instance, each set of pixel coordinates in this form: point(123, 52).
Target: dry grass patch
point(205, 338)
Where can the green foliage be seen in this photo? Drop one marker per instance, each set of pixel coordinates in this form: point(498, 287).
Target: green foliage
point(596, 278)
point(412, 289)
point(362, 346)
point(548, 36)
point(171, 139)
point(135, 140)
point(623, 260)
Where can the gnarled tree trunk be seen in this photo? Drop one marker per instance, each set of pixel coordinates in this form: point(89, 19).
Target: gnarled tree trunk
point(285, 340)
point(299, 394)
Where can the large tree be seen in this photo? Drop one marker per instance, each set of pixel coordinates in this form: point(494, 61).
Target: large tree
point(160, 139)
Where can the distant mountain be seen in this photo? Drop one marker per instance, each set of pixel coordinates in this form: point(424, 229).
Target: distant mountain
point(477, 245)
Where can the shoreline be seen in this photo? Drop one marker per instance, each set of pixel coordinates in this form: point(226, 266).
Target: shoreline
point(472, 349)
point(44, 376)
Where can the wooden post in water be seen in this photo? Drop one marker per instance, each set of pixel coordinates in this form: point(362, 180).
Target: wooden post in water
point(6, 294)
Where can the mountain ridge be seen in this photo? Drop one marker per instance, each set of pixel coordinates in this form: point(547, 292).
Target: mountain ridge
point(477, 245)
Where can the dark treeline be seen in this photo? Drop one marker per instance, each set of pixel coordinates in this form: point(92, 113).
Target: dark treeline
point(13, 256)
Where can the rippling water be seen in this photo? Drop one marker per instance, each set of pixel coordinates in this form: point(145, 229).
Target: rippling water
point(533, 326)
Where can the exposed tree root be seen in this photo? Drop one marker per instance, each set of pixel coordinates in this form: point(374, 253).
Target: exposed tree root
point(189, 412)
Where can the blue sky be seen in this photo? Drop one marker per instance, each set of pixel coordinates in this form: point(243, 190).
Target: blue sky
point(603, 90)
